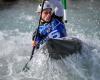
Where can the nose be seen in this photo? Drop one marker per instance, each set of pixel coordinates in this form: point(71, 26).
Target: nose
point(49, 14)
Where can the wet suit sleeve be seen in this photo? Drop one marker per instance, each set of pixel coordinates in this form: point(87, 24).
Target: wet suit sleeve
point(37, 36)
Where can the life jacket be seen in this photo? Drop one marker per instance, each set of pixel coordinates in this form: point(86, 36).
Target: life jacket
point(54, 29)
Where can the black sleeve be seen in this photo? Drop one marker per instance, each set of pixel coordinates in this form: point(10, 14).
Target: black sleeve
point(37, 34)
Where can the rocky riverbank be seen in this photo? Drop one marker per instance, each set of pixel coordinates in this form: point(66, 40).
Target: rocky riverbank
point(8, 3)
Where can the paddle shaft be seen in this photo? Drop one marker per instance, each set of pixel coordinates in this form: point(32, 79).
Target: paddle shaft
point(43, 1)
point(25, 67)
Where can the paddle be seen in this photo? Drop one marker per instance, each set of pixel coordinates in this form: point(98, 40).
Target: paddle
point(26, 68)
point(65, 3)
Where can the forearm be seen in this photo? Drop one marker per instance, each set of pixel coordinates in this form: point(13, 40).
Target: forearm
point(58, 7)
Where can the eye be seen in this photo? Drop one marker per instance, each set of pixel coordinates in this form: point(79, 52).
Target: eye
point(47, 12)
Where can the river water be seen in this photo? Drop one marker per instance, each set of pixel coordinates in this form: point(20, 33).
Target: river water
point(18, 21)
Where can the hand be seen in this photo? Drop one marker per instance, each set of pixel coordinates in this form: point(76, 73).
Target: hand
point(34, 43)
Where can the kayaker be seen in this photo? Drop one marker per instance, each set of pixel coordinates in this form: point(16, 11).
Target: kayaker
point(51, 25)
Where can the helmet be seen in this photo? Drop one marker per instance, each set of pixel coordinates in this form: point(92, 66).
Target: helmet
point(45, 6)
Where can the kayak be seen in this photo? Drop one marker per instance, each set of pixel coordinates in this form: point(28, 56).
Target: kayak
point(58, 48)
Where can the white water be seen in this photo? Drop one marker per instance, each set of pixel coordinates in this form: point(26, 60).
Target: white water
point(15, 47)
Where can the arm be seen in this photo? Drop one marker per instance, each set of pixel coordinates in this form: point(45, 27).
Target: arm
point(58, 7)
point(37, 38)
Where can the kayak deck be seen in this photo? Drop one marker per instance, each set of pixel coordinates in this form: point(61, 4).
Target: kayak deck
point(58, 49)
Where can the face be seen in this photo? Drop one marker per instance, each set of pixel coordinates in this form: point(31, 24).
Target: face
point(46, 15)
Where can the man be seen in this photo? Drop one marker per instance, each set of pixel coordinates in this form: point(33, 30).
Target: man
point(51, 25)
